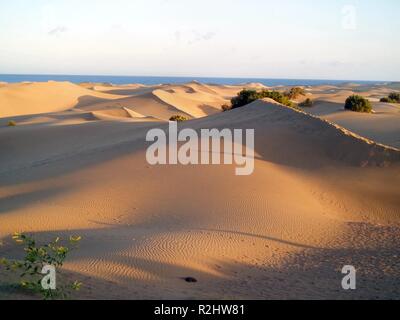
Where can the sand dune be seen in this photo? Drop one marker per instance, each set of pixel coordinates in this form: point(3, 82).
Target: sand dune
point(146, 104)
point(321, 197)
point(159, 102)
point(381, 126)
point(122, 114)
point(35, 98)
point(195, 103)
point(127, 90)
point(192, 100)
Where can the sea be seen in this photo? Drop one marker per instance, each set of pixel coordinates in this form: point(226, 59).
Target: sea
point(146, 80)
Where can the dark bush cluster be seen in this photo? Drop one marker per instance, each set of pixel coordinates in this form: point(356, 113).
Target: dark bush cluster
point(245, 97)
point(358, 104)
point(178, 118)
point(279, 97)
point(392, 98)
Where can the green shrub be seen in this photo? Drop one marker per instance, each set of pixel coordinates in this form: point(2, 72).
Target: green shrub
point(178, 118)
point(37, 257)
point(12, 123)
point(358, 104)
point(295, 93)
point(306, 103)
point(278, 97)
point(246, 97)
point(394, 97)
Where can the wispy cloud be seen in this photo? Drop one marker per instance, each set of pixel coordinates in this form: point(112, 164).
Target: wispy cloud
point(57, 31)
point(198, 36)
point(194, 36)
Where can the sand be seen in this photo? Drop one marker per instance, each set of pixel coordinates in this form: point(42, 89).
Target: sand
point(35, 98)
point(322, 195)
point(381, 126)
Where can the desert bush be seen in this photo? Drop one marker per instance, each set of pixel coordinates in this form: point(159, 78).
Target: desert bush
point(246, 97)
point(226, 107)
point(295, 93)
point(358, 104)
point(178, 118)
point(37, 257)
point(306, 103)
point(394, 97)
point(278, 97)
point(12, 123)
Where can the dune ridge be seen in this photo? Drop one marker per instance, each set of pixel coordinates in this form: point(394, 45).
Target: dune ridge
point(340, 128)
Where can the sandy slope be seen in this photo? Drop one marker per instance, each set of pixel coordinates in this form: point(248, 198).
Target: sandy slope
point(192, 100)
point(19, 102)
point(34, 98)
point(197, 102)
point(382, 126)
point(320, 198)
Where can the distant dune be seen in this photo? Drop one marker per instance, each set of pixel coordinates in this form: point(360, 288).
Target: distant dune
point(382, 126)
point(161, 102)
point(35, 98)
point(321, 195)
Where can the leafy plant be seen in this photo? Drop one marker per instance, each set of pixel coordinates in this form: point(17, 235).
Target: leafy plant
point(278, 97)
point(246, 97)
point(178, 118)
point(392, 98)
point(358, 104)
point(36, 257)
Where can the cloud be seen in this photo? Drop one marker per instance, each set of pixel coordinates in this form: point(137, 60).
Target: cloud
point(57, 31)
point(194, 36)
point(336, 63)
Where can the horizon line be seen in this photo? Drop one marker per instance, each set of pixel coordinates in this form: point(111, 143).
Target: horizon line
point(193, 77)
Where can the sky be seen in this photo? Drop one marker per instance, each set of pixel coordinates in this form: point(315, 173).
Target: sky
point(302, 39)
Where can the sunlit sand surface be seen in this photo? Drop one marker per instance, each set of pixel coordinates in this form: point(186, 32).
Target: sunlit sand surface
point(325, 192)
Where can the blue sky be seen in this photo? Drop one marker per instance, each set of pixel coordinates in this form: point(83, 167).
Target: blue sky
point(320, 39)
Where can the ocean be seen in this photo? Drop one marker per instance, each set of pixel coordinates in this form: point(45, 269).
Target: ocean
point(13, 78)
